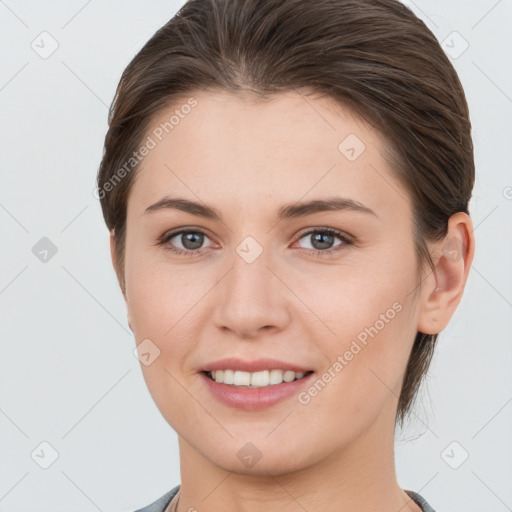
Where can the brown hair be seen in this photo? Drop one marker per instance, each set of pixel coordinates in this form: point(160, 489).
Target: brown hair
point(373, 56)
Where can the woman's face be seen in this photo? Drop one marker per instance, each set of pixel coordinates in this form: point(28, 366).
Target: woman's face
point(263, 280)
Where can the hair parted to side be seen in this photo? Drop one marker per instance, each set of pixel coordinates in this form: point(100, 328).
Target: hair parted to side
point(374, 57)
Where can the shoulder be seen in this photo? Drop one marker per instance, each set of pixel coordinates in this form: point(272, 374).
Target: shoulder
point(161, 503)
point(420, 500)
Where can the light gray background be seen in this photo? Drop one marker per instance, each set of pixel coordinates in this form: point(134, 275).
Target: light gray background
point(68, 376)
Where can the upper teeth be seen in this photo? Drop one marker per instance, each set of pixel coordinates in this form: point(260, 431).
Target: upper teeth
point(255, 379)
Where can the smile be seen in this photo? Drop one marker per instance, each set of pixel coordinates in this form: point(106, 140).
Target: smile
point(258, 379)
point(240, 394)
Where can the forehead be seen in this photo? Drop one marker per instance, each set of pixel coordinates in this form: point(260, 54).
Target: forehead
point(235, 148)
point(280, 121)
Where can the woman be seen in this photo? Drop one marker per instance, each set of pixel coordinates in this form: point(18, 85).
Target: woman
point(286, 184)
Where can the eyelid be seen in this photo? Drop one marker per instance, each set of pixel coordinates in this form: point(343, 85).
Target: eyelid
point(337, 232)
point(345, 238)
point(168, 235)
point(346, 241)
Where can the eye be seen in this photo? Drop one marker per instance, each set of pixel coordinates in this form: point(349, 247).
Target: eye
point(322, 240)
point(191, 241)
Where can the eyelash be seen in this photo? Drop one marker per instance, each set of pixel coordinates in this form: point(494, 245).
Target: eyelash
point(346, 239)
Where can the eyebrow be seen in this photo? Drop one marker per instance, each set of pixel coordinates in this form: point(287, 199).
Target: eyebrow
point(289, 211)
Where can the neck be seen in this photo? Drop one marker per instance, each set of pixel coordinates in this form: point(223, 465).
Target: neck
point(356, 478)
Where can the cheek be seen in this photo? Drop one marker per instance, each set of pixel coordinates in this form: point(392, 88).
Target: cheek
point(160, 302)
point(362, 301)
point(166, 306)
point(373, 318)
point(159, 295)
point(364, 371)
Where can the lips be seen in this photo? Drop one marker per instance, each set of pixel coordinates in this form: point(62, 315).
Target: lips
point(233, 363)
point(254, 398)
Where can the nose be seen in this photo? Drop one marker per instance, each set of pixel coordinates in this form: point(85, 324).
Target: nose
point(252, 300)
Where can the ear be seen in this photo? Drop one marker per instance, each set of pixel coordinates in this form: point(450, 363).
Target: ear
point(441, 290)
point(114, 262)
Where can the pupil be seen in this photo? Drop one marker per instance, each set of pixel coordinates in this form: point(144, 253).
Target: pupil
point(195, 240)
point(321, 238)
point(192, 240)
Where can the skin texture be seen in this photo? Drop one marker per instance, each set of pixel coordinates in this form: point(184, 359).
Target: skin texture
point(247, 159)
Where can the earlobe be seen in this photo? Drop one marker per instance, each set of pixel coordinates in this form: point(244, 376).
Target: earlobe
point(442, 289)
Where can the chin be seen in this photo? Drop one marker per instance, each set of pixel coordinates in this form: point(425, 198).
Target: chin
point(257, 456)
point(275, 465)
